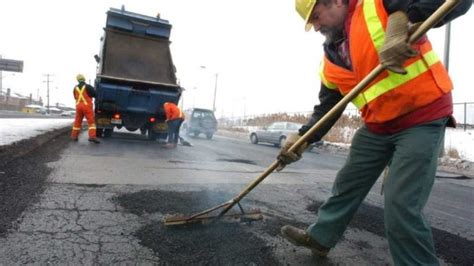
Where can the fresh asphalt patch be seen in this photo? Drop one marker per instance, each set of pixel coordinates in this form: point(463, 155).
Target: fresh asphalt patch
point(219, 244)
point(212, 244)
point(170, 202)
point(453, 249)
point(216, 244)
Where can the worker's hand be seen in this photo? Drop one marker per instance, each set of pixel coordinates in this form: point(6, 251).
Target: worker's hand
point(286, 157)
point(396, 49)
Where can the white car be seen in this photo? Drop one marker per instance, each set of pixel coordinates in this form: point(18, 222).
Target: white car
point(276, 134)
point(68, 113)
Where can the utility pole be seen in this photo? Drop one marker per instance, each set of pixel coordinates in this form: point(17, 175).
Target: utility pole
point(215, 92)
point(447, 45)
point(1, 79)
point(47, 89)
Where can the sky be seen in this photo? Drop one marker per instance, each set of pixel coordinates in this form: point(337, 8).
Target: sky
point(264, 60)
point(13, 130)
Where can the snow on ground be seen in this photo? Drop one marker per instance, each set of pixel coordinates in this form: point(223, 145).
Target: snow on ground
point(455, 139)
point(16, 129)
point(462, 141)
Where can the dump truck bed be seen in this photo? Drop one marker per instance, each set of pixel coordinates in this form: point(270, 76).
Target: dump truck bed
point(136, 57)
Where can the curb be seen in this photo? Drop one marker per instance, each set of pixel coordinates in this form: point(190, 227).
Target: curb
point(20, 148)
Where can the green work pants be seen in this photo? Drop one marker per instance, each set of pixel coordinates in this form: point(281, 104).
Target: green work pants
point(413, 154)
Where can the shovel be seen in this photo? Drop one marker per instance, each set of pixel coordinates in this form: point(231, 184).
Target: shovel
point(184, 142)
point(205, 216)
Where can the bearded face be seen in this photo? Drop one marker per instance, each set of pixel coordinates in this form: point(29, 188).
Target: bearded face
point(332, 34)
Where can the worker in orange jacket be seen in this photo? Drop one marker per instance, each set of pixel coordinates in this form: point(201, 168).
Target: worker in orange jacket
point(174, 119)
point(83, 93)
point(405, 111)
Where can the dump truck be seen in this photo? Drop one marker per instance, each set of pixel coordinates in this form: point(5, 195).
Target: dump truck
point(135, 74)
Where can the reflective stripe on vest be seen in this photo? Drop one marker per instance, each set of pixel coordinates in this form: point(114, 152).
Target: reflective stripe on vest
point(80, 95)
point(374, 25)
point(393, 80)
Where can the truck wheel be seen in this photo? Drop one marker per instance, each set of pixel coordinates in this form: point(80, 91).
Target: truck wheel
point(209, 135)
point(162, 136)
point(108, 132)
point(98, 132)
point(151, 134)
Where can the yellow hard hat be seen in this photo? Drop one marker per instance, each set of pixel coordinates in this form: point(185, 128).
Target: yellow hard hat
point(304, 9)
point(80, 77)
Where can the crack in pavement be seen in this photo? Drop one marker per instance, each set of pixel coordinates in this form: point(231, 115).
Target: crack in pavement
point(75, 225)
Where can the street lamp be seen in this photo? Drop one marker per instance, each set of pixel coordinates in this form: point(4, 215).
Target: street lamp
point(216, 75)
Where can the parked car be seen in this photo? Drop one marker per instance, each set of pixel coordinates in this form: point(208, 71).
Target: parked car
point(197, 121)
point(276, 133)
point(68, 113)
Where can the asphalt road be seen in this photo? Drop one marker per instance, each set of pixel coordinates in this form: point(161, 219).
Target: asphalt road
point(79, 220)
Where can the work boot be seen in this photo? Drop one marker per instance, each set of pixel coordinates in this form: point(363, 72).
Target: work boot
point(299, 237)
point(74, 139)
point(170, 146)
point(94, 140)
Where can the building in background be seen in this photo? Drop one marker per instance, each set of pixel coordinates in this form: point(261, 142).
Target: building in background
point(13, 101)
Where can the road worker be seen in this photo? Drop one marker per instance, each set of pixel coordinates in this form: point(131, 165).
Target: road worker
point(405, 112)
point(174, 119)
point(83, 93)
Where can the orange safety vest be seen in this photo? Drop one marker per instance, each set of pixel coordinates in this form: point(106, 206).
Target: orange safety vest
point(390, 95)
point(81, 96)
point(172, 111)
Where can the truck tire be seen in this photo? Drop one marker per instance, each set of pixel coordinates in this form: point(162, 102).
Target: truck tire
point(209, 135)
point(98, 132)
point(151, 134)
point(108, 132)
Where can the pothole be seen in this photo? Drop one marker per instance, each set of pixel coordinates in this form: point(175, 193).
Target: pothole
point(175, 161)
point(237, 161)
point(90, 185)
point(453, 176)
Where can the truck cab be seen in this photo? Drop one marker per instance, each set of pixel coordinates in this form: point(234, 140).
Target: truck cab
point(135, 74)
